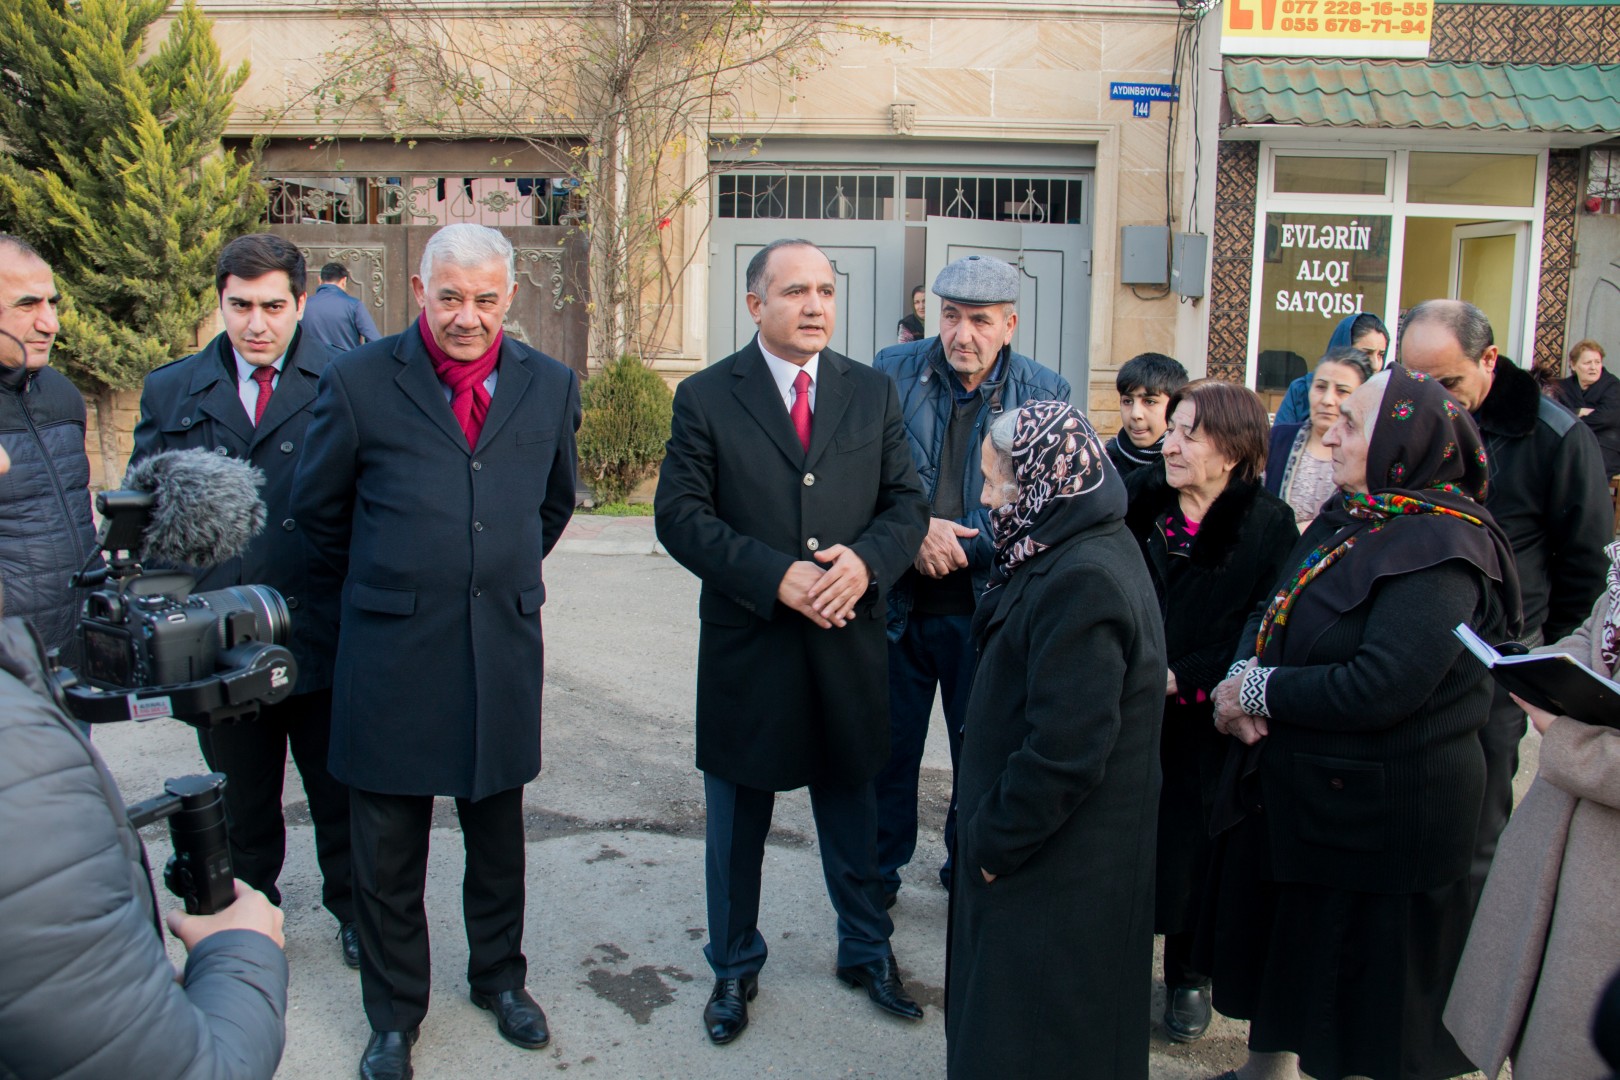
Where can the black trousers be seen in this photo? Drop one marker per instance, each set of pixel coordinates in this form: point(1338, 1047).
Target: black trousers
point(846, 830)
point(253, 757)
point(390, 874)
point(1499, 738)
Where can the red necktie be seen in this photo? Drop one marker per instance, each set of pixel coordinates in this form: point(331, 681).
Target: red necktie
point(800, 413)
point(262, 376)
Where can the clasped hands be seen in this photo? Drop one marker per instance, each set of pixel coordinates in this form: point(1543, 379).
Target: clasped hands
point(826, 595)
point(1230, 719)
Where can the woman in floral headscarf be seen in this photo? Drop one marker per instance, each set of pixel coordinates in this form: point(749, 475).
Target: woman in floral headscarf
point(1341, 898)
point(1051, 937)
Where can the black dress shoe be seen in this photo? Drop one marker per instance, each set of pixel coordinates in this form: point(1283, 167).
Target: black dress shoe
point(518, 1015)
point(388, 1055)
point(882, 981)
point(726, 1014)
point(349, 938)
point(1187, 1013)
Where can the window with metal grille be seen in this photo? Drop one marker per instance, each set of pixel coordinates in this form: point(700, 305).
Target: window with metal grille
point(422, 200)
point(806, 196)
point(1035, 200)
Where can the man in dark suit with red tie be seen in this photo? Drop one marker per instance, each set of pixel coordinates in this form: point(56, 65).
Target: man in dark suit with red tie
point(440, 472)
point(248, 394)
point(789, 490)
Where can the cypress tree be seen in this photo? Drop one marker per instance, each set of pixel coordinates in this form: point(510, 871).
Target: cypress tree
point(111, 165)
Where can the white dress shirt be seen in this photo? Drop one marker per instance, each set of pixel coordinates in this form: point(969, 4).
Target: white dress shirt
point(246, 388)
point(784, 372)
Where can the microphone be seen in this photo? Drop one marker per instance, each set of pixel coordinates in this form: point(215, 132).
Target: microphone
point(204, 507)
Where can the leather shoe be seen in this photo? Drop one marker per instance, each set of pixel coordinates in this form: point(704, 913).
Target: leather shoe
point(1187, 1013)
point(349, 938)
point(388, 1055)
point(882, 981)
point(726, 1014)
point(519, 1016)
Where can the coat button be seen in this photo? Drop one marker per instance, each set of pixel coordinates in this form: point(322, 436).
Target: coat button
point(221, 451)
point(809, 479)
point(478, 526)
point(478, 592)
point(477, 465)
point(812, 543)
point(185, 421)
point(286, 448)
point(289, 524)
point(292, 603)
point(1336, 784)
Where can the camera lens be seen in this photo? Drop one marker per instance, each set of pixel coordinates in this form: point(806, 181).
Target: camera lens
point(271, 620)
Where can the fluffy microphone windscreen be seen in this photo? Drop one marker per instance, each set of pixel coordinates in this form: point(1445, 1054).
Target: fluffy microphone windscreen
point(207, 506)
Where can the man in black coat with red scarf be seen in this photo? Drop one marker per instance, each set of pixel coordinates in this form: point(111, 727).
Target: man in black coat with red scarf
point(789, 490)
point(439, 473)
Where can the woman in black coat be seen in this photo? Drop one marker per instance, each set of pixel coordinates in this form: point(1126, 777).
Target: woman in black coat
point(1215, 542)
point(1340, 891)
point(1051, 944)
point(1592, 394)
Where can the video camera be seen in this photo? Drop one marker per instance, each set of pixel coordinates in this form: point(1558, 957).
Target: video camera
point(154, 648)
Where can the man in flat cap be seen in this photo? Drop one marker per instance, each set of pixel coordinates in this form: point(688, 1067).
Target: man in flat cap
point(788, 490)
point(951, 387)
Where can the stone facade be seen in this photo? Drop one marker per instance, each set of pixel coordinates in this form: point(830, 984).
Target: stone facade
point(1036, 72)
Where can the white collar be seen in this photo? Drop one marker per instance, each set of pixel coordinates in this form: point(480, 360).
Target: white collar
point(244, 370)
point(785, 371)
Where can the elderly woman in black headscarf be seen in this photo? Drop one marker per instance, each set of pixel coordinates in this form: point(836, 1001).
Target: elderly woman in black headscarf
point(1341, 901)
point(1051, 935)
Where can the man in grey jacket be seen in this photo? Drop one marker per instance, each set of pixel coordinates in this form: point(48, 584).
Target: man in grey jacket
point(86, 989)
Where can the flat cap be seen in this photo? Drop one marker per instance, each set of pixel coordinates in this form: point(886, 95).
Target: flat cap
point(978, 280)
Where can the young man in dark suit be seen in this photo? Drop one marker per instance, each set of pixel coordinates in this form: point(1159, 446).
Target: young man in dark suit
point(789, 490)
point(248, 394)
point(440, 472)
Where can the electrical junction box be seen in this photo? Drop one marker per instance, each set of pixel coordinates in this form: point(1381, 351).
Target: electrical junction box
point(1144, 254)
point(1189, 254)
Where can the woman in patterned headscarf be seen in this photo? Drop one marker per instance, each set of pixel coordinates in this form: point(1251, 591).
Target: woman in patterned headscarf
point(1051, 937)
point(1340, 900)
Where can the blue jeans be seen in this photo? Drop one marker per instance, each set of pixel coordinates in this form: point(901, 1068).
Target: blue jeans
point(934, 651)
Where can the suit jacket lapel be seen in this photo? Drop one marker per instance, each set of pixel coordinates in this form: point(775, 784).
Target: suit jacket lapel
point(511, 382)
point(423, 387)
point(214, 385)
point(295, 389)
point(832, 398)
point(757, 392)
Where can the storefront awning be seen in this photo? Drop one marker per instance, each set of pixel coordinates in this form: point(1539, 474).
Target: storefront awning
point(1424, 94)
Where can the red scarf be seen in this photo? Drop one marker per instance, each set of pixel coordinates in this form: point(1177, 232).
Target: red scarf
point(469, 399)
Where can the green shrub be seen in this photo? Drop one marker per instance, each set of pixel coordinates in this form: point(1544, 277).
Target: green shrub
point(625, 425)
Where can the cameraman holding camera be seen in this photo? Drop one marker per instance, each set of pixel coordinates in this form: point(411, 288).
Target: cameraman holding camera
point(86, 989)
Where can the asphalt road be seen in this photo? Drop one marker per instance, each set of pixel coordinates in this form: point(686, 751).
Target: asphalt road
point(615, 915)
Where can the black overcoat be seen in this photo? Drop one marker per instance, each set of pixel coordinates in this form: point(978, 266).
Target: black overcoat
point(1051, 965)
point(193, 404)
point(782, 703)
point(425, 558)
point(1205, 596)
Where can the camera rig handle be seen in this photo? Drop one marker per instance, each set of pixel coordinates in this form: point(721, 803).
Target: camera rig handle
point(199, 872)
